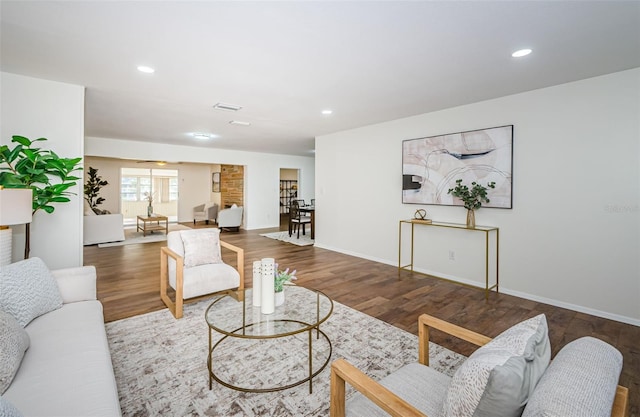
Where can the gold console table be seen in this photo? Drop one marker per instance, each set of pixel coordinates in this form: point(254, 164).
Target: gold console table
point(485, 229)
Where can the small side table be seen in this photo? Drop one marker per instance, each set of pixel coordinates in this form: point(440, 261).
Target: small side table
point(149, 224)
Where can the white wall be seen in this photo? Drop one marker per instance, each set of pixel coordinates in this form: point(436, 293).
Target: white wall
point(37, 108)
point(261, 170)
point(573, 235)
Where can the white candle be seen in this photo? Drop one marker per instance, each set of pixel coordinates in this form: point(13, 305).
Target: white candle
point(268, 294)
point(257, 283)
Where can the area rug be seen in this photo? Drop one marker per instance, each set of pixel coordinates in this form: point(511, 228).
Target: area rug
point(131, 236)
point(304, 240)
point(160, 364)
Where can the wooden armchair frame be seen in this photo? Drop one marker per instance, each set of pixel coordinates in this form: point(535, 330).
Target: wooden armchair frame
point(176, 307)
point(343, 372)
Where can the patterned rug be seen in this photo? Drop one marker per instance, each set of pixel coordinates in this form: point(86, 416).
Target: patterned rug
point(160, 364)
point(132, 235)
point(305, 240)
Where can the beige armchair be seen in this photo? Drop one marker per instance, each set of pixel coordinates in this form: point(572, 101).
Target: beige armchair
point(192, 265)
point(581, 380)
point(207, 211)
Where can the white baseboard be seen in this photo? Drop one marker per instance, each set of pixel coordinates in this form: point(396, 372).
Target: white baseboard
point(550, 301)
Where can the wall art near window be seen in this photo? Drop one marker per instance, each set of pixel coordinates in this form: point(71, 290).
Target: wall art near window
point(431, 166)
point(215, 182)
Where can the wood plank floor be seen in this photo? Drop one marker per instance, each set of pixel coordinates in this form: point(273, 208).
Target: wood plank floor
point(128, 284)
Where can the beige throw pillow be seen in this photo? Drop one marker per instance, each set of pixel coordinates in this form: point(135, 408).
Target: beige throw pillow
point(201, 247)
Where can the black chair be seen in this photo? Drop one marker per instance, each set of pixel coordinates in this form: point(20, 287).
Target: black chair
point(296, 219)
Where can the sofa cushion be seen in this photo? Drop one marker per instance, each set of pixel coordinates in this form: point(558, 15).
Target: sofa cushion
point(499, 377)
point(580, 381)
point(67, 370)
point(28, 290)
point(201, 247)
point(14, 341)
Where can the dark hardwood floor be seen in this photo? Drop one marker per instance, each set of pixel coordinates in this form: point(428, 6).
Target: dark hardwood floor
point(128, 284)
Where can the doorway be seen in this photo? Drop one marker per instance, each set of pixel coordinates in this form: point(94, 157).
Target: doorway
point(144, 187)
point(288, 191)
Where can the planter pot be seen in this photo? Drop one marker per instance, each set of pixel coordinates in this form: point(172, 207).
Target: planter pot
point(471, 219)
point(279, 298)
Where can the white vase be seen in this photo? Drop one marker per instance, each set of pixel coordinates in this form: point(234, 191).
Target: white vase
point(279, 298)
point(267, 302)
point(257, 283)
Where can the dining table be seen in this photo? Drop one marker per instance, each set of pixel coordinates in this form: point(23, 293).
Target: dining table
point(312, 211)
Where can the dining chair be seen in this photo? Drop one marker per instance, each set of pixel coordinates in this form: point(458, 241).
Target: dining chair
point(296, 219)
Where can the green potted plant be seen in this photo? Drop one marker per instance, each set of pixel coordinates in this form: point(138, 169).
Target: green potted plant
point(92, 191)
point(46, 173)
point(471, 197)
point(282, 277)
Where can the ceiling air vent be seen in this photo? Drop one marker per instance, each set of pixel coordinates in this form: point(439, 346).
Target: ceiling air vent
point(239, 123)
point(229, 107)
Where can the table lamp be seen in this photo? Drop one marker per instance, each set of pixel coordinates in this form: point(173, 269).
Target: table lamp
point(15, 208)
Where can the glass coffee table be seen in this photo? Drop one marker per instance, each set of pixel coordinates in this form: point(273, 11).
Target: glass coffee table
point(254, 352)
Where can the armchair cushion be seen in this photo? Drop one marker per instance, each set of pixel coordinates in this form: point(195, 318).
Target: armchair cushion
point(207, 279)
point(499, 377)
point(419, 385)
point(28, 290)
point(581, 381)
point(201, 247)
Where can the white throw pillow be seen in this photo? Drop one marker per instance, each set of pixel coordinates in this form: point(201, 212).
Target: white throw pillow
point(499, 377)
point(14, 341)
point(201, 247)
point(28, 290)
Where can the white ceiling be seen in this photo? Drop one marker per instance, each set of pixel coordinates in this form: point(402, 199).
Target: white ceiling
point(284, 62)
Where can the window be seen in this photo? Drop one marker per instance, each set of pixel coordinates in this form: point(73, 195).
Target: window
point(138, 183)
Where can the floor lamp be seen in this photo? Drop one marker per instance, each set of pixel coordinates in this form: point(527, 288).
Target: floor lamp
point(15, 208)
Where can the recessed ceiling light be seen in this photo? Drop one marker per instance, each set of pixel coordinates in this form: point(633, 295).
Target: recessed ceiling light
point(239, 123)
point(229, 107)
point(520, 53)
point(145, 69)
point(202, 136)
point(327, 112)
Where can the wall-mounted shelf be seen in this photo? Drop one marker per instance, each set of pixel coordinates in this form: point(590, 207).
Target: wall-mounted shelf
point(288, 192)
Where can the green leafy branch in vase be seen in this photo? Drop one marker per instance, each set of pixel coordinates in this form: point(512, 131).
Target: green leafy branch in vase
point(471, 197)
point(282, 277)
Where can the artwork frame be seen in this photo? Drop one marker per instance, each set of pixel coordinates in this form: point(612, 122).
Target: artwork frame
point(215, 182)
point(431, 165)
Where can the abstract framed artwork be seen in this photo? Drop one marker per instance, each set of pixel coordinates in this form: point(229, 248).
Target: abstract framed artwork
point(431, 166)
point(215, 182)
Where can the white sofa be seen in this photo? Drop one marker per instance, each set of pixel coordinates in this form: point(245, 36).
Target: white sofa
point(230, 218)
point(103, 228)
point(67, 370)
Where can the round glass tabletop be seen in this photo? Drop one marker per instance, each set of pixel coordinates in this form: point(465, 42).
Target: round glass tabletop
point(302, 310)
